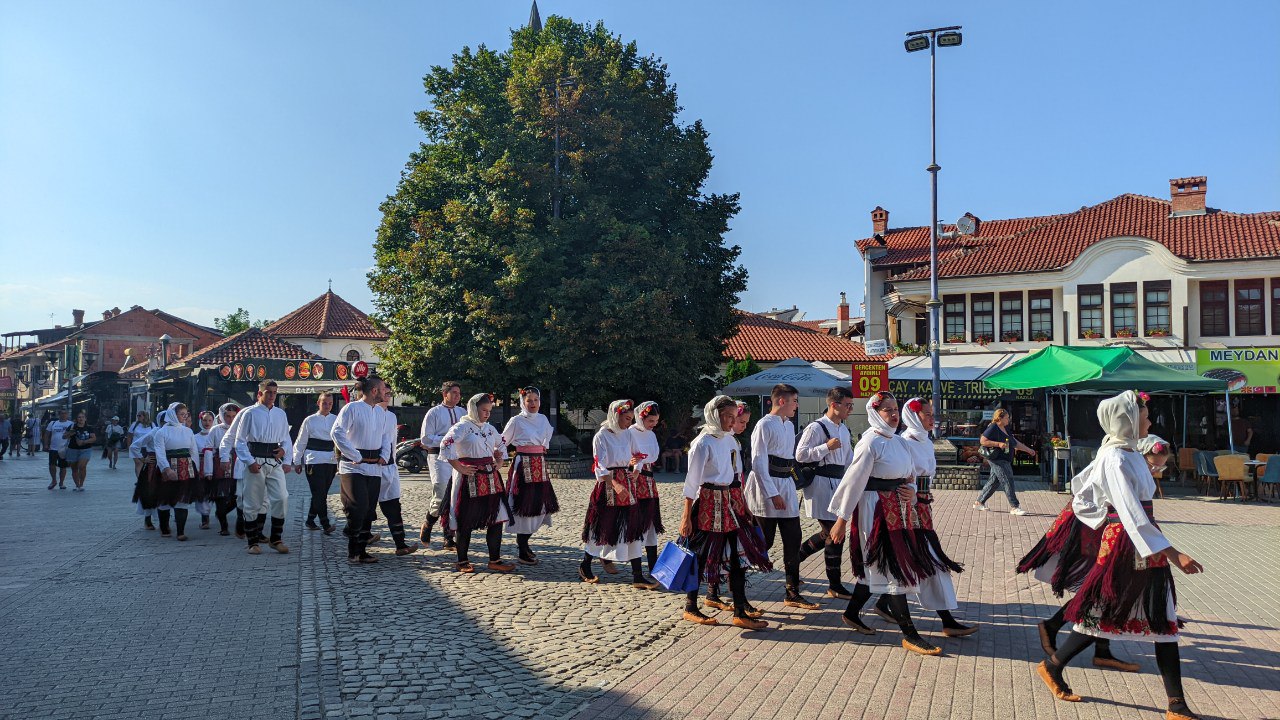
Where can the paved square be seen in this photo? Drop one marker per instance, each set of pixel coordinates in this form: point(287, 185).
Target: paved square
point(106, 620)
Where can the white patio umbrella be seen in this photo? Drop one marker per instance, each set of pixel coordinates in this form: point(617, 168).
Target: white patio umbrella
point(811, 381)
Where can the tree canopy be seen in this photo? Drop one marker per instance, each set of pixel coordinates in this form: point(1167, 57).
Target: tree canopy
point(630, 293)
point(237, 321)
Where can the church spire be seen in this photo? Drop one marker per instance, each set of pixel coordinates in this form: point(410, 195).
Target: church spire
point(535, 20)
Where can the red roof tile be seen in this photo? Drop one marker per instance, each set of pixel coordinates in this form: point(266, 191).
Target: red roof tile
point(328, 316)
point(1053, 242)
point(251, 343)
point(768, 340)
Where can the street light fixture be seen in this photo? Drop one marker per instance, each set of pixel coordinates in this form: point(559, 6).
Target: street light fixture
point(921, 40)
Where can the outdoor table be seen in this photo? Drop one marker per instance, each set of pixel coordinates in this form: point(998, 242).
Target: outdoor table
point(1253, 466)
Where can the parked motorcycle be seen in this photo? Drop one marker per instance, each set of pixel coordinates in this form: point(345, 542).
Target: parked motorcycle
point(411, 457)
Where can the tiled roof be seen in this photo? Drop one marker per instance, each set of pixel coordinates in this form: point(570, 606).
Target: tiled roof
point(1053, 242)
point(768, 340)
point(815, 325)
point(23, 352)
point(251, 343)
point(328, 316)
point(136, 371)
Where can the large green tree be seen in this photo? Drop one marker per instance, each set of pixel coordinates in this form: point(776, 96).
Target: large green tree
point(630, 293)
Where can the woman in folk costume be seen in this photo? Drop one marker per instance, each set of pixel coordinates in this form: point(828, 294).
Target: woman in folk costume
point(646, 515)
point(529, 491)
point(202, 490)
point(143, 451)
point(176, 471)
point(937, 592)
point(474, 448)
point(606, 533)
point(877, 496)
point(1062, 559)
point(222, 484)
point(1128, 594)
point(720, 529)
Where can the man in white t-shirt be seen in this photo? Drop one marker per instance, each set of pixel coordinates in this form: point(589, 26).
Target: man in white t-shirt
point(55, 438)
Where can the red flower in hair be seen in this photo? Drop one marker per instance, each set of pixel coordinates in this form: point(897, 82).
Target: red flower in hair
point(1143, 398)
point(879, 398)
point(624, 407)
point(1159, 449)
point(915, 406)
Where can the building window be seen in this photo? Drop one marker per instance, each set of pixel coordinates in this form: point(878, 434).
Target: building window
point(1275, 306)
point(1124, 309)
point(353, 355)
point(1041, 306)
point(1250, 313)
point(1213, 308)
point(954, 311)
point(1011, 317)
point(984, 317)
point(1157, 320)
point(1092, 320)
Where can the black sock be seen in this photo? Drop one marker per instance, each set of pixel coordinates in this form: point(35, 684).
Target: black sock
point(493, 537)
point(691, 602)
point(651, 554)
point(149, 522)
point(522, 544)
point(277, 529)
point(204, 519)
point(812, 545)
point(164, 521)
point(898, 608)
point(1171, 673)
point(586, 565)
point(1102, 649)
point(948, 620)
point(1073, 646)
point(1055, 623)
point(180, 516)
point(637, 572)
point(861, 594)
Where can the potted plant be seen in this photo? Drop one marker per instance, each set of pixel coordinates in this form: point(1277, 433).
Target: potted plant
point(1061, 450)
point(955, 338)
point(1092, 334)
point(1124, 332)
point(1011, 336)
point(1041, 337)
point(1158, 332)
point(982, 339)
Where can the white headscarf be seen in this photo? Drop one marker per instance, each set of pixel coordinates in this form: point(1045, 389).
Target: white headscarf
point(711, 414)
point(878, 424)
point(616, 408)
point(1147, 445)
point(170, 414)
point(915, 429)
point(524, 412)
point(1118, 417)
point(473, 404)
point(222, 412)
point(639, 426)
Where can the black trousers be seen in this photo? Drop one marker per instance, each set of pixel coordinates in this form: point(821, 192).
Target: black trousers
point(320, 480)
point(395, 520)
point(360, 502)
point(790, 529)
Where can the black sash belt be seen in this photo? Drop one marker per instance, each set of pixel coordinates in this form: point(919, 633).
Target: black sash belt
point(713, 486)
point(175, 454)
point(433, 451)
point(370, 456)
point(1147, 507)
point(319, 444)
point(882, 485)
point(780, 466)
point(647, 472)
point(263, 449)
point(830, 471)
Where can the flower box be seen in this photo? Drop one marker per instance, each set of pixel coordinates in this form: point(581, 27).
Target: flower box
point(1091, 335)
point(1011, 337)
point(955, 338)
point(982, 339)
point(1159, 332)
point(1125, 333)
point(1041, 337)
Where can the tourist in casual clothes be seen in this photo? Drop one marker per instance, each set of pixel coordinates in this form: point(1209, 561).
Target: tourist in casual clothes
point(605, 532)
point(389, 492)
point(437, 422)
point(80, 440)
point(646, 518)
point(529, 492)
point(826, 441)
point(314, 452)
point(55, 438)
point(228, 470)
point(875, 502)
point(262, 438)
point(716, 522)
point(361, 437)
point(176, 452)
point(204, 484)
point(115, 433)
point(5, 431)
point(1002, 447)
point(937, 591)
point(1129, 592)
point(474, 449)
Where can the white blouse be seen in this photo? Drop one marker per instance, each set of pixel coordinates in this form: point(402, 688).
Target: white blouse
point(645, 441)
point(1121, 479)
point(874, 456)
point(611, 449)
point(926, 463)
point(521, 430)
point(205, 441)
point(469, 440)
point(173, 437)
point(712, 461)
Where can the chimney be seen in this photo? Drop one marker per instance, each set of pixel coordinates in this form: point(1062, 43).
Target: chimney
point(115, 311)
point(879, 220)
point(1187, 195)
point(106, 314)
point(78, 317)
point(842, 316)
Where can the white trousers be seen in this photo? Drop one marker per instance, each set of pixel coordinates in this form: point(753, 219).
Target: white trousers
point(267, 484)
point(441, 471)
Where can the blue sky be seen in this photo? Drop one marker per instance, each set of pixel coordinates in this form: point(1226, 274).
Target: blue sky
point(200, 156)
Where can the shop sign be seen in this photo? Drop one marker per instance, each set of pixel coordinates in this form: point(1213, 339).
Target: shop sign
point(955, 390)
point(1245, 370)
point(255, 370)
point(359, 369)
point(869, 378)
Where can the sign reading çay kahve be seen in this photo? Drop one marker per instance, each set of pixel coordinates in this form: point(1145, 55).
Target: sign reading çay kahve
point(1246, 370)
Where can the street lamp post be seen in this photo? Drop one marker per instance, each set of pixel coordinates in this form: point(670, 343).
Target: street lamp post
point(929, 40)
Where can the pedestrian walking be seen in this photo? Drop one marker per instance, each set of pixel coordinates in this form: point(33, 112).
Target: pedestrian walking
point(315, 453)
point(530, 495)
point(55, 439)
point(389, 486)
point(437, 422)
point(228, 471)
point(262, 438)
point(80, 441)
point(826, 442)
point(605, 531)
point(204, 484)
point(142, 449)
point(175, 476)
point(360, 435)
point(646, 516)
point(999, 448)
point(115, 434)
point(5, 434)
point(474, 449)
point(141, 426)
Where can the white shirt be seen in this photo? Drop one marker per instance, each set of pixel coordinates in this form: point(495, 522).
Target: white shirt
point(645, 441)
point(390, 472)
point(813, 443)
point(922, 457)
point(438, 421)
point(173, 437)
point(261, 424)
point(1121, 479)
point(56, 430)
point(523, 430)
point(315, 427)
point(115, 429)
point(875, 455)
point(142, 444)
point(360, 426)
point(205, 440)
point(226, 440)
point(712, 461)
point(611, 450)
point(772, 436)
point(469, 440)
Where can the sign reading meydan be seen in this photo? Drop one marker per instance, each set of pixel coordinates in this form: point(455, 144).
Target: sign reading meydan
point(955, 390)
point(1246, 370)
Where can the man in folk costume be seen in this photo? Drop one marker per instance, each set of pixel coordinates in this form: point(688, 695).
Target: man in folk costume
point(826, 442)
point(360, 433)
point(314, 452)
point(389, 493)
point(771, 491)
point(437, 422)
point(262, 437)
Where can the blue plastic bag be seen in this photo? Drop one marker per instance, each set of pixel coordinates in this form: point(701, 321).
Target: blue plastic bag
point(677, 568)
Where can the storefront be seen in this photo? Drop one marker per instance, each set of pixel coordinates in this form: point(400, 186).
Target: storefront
point(1253, 379)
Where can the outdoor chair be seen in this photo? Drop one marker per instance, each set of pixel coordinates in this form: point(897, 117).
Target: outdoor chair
point(1187, 463)
point(1270, 477)
point(1206, 473)
point(1231, 472)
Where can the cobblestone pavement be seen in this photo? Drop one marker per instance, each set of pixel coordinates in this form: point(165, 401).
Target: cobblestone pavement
point(107, 620)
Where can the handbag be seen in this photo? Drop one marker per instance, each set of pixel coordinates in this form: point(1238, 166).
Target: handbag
point(677, 567)
point(804, 473)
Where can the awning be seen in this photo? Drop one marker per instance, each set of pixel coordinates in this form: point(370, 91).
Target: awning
point(969, 366)
point(1176, 358)
point(811, 381)
point(1110, 369)
point(310, 387)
